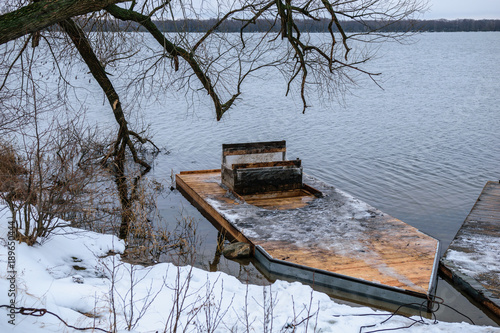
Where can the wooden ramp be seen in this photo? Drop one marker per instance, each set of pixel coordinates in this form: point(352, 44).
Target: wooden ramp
point(334, 240)
point(472, 262)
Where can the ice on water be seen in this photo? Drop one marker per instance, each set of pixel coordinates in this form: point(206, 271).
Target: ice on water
point(336, 215)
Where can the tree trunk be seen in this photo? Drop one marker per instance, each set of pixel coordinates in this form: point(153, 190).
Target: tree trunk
point(123, 140)
point(42, 14)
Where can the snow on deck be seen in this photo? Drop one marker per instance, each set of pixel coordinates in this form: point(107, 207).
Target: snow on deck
point(472, 261)
point(337, 233)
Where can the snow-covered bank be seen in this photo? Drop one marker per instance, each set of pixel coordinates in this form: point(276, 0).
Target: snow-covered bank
point(77, 275)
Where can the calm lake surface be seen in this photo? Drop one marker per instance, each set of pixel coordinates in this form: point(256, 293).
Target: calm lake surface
point(420, 150)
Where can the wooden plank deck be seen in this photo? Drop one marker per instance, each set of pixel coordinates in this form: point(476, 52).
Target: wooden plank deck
point(472, 261)
point(335, 233)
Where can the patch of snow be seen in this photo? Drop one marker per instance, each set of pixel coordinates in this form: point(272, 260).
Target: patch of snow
point(476, 263)
point(46, 279)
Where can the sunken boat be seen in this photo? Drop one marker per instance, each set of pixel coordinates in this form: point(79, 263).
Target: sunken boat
point(300, 228)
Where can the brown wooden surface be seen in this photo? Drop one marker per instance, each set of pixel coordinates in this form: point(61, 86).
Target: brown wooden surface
point(280, 200)
point(394, 253)
point(195, 196)
point(410, 271)
point(478, 240)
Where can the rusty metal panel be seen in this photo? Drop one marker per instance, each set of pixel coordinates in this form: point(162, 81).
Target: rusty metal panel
point(253, 147)
point(246, 180)
point(261, 180)
point(253, 152)
point(259, 167)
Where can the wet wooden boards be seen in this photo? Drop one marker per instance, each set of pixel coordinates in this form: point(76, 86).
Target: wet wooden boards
point(472, 261)
point(334, 240)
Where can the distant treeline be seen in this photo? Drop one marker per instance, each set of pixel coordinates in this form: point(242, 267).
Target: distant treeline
point(310, 26)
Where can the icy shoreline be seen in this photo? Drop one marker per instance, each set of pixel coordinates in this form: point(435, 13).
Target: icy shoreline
point(79, 276)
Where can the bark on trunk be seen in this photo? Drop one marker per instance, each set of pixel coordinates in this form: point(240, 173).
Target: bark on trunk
point(42, 14)
point(123, 141)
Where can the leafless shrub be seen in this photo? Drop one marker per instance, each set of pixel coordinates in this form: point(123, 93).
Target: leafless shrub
point(268, 304)
point(244, 318)
point(181, 292)
point(212, 311)
point(301, 319)
point(49, 176)
point(134, 309)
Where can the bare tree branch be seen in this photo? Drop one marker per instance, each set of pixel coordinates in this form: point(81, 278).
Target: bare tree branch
point(174, 51)
point(15, 60)
point(42, 14)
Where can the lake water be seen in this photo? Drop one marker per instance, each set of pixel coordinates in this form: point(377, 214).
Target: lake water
point(420, 150)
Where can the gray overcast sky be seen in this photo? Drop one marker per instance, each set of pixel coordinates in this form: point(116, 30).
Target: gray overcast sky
point(447, 9)
point(475, 9)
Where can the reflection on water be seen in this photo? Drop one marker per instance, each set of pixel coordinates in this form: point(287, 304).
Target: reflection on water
point(420, 150)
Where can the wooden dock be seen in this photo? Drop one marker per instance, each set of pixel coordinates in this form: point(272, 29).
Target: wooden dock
point(334, 240)
point(472, 262)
